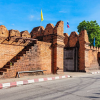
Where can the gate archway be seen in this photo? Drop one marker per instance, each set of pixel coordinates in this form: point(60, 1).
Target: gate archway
point(70, 59)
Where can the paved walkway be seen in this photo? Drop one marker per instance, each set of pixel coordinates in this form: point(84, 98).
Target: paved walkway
point(11, 82)
point(72, 74)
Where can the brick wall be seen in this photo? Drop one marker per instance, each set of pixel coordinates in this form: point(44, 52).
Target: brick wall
point(47, 55)
point(81, 51)
point(88, 59)
point(37, 32)
point(73, 39)
point(58, 45)
point(43, 55)
point(66, 42)
point(91, 60)
point(87, 56)
point(53, 34)
point(7, 52)
point(38, 57)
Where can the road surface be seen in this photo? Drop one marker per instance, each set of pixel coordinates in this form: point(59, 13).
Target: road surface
point(78, 88)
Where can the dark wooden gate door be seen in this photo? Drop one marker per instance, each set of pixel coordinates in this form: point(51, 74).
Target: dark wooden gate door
point(70, 59)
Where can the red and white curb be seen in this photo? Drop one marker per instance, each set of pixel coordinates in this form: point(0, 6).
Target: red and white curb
point(95, 72)
point(13, 84)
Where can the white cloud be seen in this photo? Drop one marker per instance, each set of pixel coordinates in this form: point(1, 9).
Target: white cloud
point(62, 11)
point(38, 18)
point(0, 22)
point(31, 17)
point(13, 24)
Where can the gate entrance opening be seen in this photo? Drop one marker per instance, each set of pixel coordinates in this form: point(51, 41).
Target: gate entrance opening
point(70, 59)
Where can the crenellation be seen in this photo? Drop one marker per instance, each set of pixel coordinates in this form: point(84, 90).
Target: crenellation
point(66, 39)
point(43, 48)
point(3, 31)
point(87, 47)
point(73, 39)
point(88, 56)
point(97, 48)
point(37, 31)
point(25, 34)
point(13, 33)
point(91, 47)
point(58, 29)
point(49, 29)
point(94, 48)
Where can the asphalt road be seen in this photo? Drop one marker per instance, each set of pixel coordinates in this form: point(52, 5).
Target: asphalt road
point(78, 88)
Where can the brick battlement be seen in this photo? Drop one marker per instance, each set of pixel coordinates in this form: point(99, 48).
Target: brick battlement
point(71, 41)
point(92, 47)
point(87, 55)
point(42, 48)
point(8, 36)
point(50, 29)
point(17, 49)
point(12, 42)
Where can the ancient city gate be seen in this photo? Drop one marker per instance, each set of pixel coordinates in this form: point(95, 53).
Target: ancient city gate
point(70, 59)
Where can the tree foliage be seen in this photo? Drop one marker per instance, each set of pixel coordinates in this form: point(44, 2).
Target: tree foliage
point(93, 30)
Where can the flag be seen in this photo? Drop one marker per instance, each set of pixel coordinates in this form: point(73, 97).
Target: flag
point(67, 24)
point(94, 42)
point(41, 15)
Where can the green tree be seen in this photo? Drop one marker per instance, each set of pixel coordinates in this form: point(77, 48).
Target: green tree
point(93, 30)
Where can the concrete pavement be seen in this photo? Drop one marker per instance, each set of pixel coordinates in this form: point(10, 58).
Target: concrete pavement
point(76, 88)
point(12, 82)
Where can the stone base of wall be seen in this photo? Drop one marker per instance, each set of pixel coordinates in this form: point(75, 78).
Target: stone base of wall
point(93, 67)
point(60, 71)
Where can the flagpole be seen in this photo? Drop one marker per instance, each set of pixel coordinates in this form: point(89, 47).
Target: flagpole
point(94, 41)
point(41, 20)
point(67, 26)
point(40, 26)
point(67, 30)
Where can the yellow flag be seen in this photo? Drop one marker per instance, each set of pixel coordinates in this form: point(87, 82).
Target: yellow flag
point(41, 15)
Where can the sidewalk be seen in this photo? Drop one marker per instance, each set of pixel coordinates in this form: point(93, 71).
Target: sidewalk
point(11, 82)
point(72, 74)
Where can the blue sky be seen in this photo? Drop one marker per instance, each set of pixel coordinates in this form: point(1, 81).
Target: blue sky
point(25, 14)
